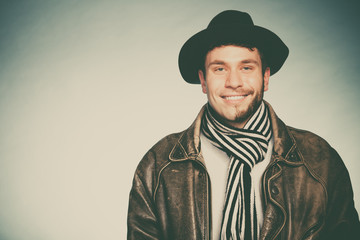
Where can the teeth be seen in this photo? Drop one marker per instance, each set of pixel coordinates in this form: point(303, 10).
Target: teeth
point(234, 97)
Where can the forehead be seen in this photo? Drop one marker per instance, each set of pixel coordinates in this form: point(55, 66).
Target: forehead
point(232, 53)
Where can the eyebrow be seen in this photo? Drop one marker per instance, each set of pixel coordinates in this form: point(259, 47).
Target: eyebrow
point(216, 62)
point(245, 61)
point(250, 61)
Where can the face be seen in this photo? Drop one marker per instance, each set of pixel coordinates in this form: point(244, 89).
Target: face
point(234, 82)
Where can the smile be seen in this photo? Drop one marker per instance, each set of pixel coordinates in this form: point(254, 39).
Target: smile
point(234, 97)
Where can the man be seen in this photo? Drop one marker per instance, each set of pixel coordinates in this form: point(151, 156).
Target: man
point(238, 172)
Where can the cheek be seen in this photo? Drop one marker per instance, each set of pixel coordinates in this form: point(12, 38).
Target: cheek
point(214, 85)
point(257, 83)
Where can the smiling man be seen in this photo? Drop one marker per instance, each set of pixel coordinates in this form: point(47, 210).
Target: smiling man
point(234, 82)
point(238, 172)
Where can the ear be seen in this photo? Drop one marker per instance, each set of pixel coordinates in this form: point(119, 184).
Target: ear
point(266, 79)
point(202, 81)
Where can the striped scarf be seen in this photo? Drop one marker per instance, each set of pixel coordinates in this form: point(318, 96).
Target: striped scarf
point(245, 147)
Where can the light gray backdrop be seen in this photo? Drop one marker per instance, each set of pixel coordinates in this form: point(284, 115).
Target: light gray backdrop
point(87, 87)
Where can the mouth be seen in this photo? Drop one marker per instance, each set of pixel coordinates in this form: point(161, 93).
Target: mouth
point(234, 98)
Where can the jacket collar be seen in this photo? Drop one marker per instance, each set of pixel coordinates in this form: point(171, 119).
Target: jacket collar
point(283, 142)
point(188, 145)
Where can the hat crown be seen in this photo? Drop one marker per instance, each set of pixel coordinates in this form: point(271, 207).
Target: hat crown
point(231, 18)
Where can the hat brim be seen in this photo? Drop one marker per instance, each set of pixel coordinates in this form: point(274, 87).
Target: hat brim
point(192, 53)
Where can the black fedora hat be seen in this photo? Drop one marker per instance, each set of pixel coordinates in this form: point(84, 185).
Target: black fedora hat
point(230, 27)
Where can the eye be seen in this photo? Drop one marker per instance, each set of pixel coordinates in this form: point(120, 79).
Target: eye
point(219, 69)
point(246, 68)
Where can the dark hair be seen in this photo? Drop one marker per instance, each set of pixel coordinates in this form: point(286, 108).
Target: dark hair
point(249, 46)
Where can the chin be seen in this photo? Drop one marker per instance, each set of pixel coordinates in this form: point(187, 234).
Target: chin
point(240, 114)
point(236, 117)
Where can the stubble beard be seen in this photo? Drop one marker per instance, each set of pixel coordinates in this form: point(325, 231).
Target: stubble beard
point(244, 116)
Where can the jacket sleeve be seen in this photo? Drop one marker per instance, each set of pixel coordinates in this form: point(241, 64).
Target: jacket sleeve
point(142, 222)
point(342, 220)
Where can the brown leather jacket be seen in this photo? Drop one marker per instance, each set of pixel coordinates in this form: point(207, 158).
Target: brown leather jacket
point(307, 189)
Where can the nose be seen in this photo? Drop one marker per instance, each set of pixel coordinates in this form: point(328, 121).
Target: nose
point(234, 80)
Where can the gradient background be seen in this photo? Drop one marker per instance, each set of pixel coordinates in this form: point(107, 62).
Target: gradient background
point(87, 87)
